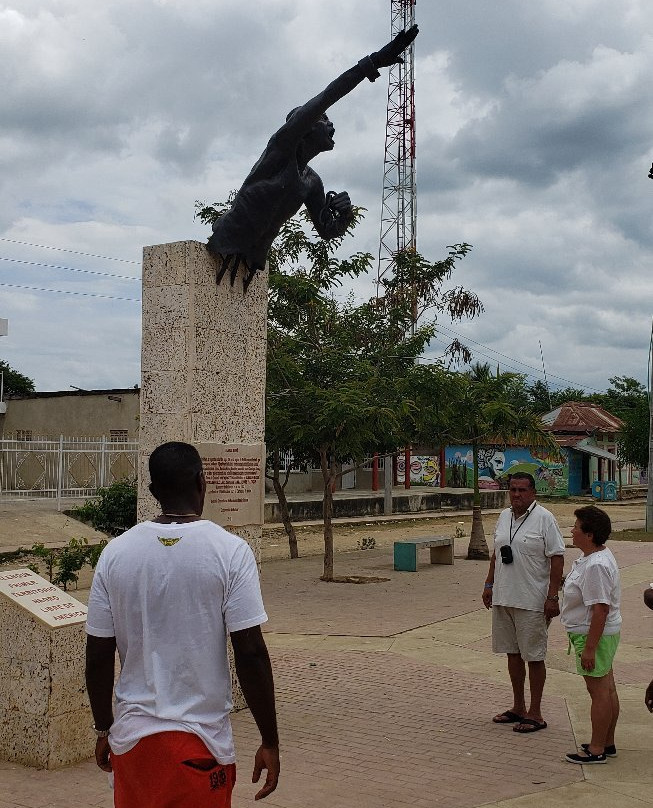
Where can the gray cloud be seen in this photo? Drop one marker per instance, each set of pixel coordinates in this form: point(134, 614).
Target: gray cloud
point(534, 134)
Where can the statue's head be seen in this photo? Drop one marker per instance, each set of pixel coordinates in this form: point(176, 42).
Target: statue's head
point(319, 138)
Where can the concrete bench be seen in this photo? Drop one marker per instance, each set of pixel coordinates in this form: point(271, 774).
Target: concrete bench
point(405, 552)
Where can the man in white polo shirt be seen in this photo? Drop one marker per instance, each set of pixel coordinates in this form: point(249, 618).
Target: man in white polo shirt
point(522, 588)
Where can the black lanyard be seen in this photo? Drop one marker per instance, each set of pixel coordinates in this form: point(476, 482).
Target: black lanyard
point(528, 513)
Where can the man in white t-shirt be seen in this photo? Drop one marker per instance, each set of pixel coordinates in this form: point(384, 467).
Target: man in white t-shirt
point(165, 594)
point(522, 589)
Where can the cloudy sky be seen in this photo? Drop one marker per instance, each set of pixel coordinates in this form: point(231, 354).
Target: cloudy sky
point(534, 139)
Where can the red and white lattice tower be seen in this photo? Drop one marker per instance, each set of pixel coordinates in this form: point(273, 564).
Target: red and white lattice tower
point(399, 203)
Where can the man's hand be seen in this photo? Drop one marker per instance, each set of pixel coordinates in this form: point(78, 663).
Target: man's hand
point(487, 597)
point(648, 698)
point(551, 609)
point(390, 54)
point(102, 753)
point(267, 757)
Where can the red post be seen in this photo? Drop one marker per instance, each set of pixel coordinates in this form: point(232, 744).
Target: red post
point(407, 467)
point(443, 469)
point(375, 472)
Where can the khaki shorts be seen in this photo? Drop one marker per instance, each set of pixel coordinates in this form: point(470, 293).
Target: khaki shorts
point(519, 631)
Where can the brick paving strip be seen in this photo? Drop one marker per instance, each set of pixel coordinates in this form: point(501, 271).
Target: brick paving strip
point(372, 729)
point(386, 692)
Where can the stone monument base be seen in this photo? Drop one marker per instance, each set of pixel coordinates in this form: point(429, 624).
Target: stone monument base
point(44, 711)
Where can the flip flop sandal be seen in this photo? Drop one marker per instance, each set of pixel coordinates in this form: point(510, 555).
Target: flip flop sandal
point(529, 725)
point(507, 718)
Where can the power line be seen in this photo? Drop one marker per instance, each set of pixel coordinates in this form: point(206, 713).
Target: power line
point(512, 359)
point(535, 375)
point(63, 249)
point(71, 269)
point(65, 292)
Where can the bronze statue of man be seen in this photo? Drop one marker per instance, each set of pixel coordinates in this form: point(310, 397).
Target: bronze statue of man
point(281, 180)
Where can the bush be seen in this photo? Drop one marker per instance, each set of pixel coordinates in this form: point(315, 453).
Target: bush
point(113, 510)
point(61, 563)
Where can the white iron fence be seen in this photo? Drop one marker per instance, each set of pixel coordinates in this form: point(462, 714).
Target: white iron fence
point(63, 468)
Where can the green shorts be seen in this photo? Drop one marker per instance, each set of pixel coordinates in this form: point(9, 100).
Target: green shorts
point(605, 653)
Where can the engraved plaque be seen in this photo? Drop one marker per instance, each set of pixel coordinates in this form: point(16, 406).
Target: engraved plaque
point(235, 487)
point(39, 597)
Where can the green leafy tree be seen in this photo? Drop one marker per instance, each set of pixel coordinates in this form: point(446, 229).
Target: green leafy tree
point(331, 368)
point(15, 383)
point(632, 446)
point(624, 396)
point(336, 370)
point(485, 414)
point(628, 400)
point(542, 400)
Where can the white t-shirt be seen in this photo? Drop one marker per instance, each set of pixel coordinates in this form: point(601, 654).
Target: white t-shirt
point(536, 537)
point(169, 594)
point(592, 579)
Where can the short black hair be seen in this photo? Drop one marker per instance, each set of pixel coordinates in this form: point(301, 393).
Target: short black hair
point(595, 521)
point(523, 475)
point(174, 467)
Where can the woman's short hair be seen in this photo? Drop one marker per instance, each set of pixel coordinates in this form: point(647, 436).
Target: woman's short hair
point(595, 521)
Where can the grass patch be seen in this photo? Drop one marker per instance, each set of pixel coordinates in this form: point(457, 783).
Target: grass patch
point(631, 535)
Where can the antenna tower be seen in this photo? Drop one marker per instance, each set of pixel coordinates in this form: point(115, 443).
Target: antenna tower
point(399, 202)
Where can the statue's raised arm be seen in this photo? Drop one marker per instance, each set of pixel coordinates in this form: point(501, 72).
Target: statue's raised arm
point(281, 181)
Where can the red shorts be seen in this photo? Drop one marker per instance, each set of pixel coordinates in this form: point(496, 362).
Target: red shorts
point(156, 774)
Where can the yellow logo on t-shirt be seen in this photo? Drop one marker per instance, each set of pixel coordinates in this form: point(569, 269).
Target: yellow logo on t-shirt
point(168, 542)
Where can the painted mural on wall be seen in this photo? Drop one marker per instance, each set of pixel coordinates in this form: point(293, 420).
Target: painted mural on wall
point(497, 463)
point(424, 470)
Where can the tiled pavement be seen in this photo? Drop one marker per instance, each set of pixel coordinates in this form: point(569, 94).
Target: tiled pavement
point(385, 692)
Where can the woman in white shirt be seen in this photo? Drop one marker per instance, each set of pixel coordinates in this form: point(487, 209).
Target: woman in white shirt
point(590, 614)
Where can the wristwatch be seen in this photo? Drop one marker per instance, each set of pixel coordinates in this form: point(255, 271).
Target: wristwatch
point(553, 597)
point(101, 733)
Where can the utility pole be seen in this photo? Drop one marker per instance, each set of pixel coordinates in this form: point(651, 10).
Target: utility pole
point(4, 330)
point(399, 198)
point(649, 478)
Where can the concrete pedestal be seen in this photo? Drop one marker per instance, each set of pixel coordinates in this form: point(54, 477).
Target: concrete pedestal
point(44, 711)
point(203, 362)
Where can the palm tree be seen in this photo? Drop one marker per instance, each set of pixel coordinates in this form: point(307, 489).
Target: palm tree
point(485, 414)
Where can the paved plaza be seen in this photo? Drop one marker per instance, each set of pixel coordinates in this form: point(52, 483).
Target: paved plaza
point(386, 690)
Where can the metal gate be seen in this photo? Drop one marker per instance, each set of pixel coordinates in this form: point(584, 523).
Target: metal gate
point(64, 468)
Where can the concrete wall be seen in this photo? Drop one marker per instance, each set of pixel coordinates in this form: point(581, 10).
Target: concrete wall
point(408, 502)
point(73, 414)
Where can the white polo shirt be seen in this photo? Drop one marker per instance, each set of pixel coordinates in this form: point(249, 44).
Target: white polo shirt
point(169, 594)
point(536, 537)
point(592, 579)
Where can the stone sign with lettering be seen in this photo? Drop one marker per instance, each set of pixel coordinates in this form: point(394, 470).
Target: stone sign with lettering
point(44, 711)
point(41, 598)
point(235, 489)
